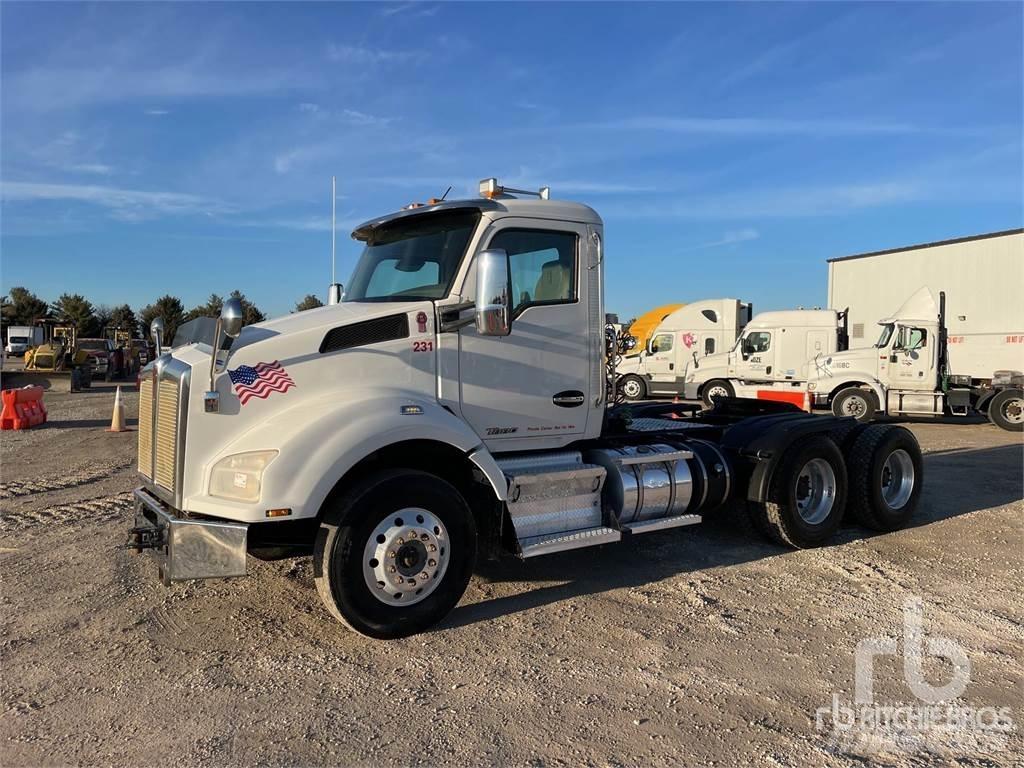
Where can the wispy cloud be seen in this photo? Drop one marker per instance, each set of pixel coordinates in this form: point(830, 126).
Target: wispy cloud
point(783, 202)
point(753, 126)
point(125, 204)
point(355, 54)
point(156, 112)
point(413, 10)
point(729, 238)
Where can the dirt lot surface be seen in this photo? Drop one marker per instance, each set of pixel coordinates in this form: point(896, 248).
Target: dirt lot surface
point(695, 646)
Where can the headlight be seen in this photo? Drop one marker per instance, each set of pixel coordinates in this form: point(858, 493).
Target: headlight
point(811, 386)
point(239, 477)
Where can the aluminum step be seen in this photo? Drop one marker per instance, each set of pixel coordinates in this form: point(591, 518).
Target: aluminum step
point(560, 542)
point(553, 495)
point(660, 524)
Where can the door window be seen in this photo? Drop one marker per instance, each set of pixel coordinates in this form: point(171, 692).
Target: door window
point(912, 338)
point(661, 343)
point(709, 346)
point(542, 264)
point(756, 342)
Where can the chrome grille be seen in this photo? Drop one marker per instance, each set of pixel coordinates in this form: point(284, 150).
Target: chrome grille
point(165, 440)
point(163, 410)
point(146, 426)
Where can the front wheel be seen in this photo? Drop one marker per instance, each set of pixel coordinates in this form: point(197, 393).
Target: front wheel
point(715, 389)
point(633, 387)
point(855, 402)
point(1006, 410)
point(394, 554)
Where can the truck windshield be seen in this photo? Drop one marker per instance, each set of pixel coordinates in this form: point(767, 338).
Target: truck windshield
point(92, 344)
point(883, 340)
point(19, 339)
point(412, 258)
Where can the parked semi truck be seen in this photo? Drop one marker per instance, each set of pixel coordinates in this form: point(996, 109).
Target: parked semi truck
point(21, 338)
point(692, 331)
point(460, 402)
point(773, 352)
point(918, 368)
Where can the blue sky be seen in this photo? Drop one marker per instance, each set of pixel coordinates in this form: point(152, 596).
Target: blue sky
point(731, 148)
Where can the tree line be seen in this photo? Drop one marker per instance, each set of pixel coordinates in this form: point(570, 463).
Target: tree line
point(22, 307)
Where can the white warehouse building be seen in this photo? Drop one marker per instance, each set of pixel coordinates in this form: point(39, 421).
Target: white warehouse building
point(982, 276)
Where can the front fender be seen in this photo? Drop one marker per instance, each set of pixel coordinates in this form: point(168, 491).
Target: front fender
point(320, 440)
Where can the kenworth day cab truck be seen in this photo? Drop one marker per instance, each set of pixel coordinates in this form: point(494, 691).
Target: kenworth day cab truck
point(692, 331)
point(919, 368)
point(459, 401)
point(773, 352)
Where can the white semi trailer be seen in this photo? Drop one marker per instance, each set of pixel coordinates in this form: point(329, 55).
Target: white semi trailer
point(693, 331)
point(919, 368)
point(460, 401)
point(774, 352)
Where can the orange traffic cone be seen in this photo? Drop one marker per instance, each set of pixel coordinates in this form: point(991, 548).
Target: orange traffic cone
point(117, 420)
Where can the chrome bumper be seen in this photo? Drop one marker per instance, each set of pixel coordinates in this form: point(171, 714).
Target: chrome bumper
point(187, 548)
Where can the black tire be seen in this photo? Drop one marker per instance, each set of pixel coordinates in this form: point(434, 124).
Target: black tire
point(345, 533)
point(713, 390)
point(860, 404)
point(1004, 410)
point(876, 498)
point(780, 514)
point(633, 387)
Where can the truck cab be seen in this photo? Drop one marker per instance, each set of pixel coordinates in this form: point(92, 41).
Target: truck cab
point(774, 348)
point(459, 399)
point(690, 332)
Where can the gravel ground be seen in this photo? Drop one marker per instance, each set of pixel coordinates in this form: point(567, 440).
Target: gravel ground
point(694, 646)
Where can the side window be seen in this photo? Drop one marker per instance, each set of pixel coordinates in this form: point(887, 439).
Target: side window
point(757, 341)
point(710, 314)
point(543, 266)
point(911, 338)
point(709, 346)
point(662, 343)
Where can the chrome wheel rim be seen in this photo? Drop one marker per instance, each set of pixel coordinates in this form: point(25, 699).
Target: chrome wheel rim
point(716, 392)
point(897, 479)
point(631, 388)
point(855, 405)
point(815, 491)
point(1013, 410)
point(406, 556)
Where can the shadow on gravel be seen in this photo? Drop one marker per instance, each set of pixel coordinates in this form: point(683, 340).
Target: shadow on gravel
point(85, 423)
point(957, 482)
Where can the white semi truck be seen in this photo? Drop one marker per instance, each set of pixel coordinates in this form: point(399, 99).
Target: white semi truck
point(460, 401)
point(690, 332)
point(773, 352)
point(919, 368)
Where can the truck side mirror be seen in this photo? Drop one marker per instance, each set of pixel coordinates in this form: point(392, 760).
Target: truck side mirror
point(231, 319)
point(649, 347)
point(493, 289)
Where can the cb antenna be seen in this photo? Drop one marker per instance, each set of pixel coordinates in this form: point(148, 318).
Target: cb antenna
point(334, 293)
point(446, 193)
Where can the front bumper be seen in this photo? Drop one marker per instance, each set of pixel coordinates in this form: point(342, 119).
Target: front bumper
point(691, 390)
point(187, 548)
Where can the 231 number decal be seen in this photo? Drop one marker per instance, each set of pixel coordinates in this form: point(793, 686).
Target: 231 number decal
point(423, 346)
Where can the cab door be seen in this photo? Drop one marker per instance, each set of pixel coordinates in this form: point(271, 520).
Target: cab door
point(755, 358)
point(533, 387)
point(912, 363)
point(661, 359)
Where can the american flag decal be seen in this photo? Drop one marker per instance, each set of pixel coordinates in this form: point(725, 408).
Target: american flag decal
point(260, 380)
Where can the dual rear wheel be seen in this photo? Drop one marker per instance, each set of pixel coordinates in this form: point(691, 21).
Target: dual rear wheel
point(813, 487)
